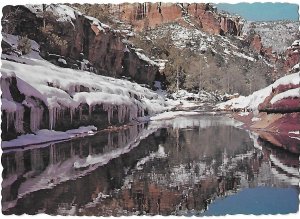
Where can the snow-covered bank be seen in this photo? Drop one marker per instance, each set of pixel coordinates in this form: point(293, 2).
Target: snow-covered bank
point(292, 93)
point(253, 101)
point(60, 87)
point(58, 98)
point(275, 113)
point(44, 135)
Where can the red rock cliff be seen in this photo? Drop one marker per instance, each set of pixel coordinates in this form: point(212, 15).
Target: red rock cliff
point(104, 49)
point(292, 56)
point(150, 15)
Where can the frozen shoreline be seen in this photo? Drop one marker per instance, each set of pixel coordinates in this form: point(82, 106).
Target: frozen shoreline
point(44, 137)
point(47, 136)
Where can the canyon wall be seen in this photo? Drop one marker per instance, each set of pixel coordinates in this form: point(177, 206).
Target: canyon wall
point(150, 15)
point(80, 40)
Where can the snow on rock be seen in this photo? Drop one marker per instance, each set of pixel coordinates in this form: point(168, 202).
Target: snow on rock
point(97, 23)
point(65, 13)
point(62, 61)
point(255, 119)
point(13, 41)
point(145, 58)
point(275, 34)
point(241, 55)
point(296, 67)
point(293, 93)
point(65, 90)
point(296, 43)
point(295, 132)
point(8, 106)
point(244, 113)
point(161, 63)
point(45, 135)
point(252, 101)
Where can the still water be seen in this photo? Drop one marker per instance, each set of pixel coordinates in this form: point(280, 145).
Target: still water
point(196, 165)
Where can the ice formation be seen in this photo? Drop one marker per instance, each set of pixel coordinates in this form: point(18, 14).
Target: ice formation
point(56, 93)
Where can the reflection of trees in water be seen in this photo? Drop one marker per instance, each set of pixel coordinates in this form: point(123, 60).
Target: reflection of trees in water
point(207, 144)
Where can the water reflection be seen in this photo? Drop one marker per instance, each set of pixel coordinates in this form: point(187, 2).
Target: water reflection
point(176, 166)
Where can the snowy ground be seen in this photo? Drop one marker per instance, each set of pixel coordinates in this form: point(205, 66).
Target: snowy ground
point(275, 34)
point(199, 41)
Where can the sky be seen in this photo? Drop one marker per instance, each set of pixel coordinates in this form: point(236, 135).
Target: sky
point(262, 11)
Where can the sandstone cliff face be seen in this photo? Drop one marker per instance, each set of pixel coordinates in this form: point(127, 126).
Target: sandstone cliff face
point(150, 15)
point(256, 43)
point(146, 15)
point(81, 40)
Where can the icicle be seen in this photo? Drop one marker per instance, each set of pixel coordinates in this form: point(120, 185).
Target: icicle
point(71, 114)
point(8, 115)
point(60, 114)
point(108, 108)
point(109, 114)
point(120, 113)
point(80, 112)
point(132, 112)
point(33, 115)
point(90, 110)
point(7, 120)
point(18, 122)
point(36, 115)
point(52, 117)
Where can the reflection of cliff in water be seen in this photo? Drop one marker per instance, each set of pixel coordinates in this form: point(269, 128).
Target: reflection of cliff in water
point(28, 171)
point(177, 169)
point(284, 164)
point(199, 168)
point(281, 140)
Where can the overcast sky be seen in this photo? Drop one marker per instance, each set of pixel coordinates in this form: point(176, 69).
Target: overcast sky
point(262, 11)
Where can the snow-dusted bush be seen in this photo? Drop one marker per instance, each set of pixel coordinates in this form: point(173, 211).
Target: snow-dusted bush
point(24, 45)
